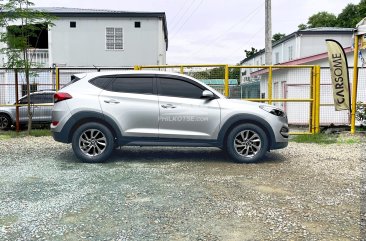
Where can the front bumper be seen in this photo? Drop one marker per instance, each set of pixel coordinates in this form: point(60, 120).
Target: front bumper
point(279, 145)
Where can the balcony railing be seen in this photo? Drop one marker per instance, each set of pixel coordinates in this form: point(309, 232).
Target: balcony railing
point(38, 57)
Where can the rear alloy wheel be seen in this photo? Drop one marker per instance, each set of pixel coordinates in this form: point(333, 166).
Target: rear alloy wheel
point(5, 122)
point(247, 143)
point(93, 142)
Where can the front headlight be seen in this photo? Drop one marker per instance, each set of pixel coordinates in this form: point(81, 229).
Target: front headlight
point(273, 110)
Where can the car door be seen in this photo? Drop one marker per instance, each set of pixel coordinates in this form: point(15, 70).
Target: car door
point(34, 108)
point(183, 113)
point(131, 101)
point(42, 107)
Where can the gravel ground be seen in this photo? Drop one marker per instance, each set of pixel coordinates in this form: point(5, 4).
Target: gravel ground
point(303, 192)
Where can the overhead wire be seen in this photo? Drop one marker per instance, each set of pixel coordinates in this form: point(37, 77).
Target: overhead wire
point(174, 25)
point(247, 18)
point(197, 6)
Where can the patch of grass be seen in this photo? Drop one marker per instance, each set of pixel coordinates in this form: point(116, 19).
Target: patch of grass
point(41, 132)
point(4, 135)
point(322, 138)
point(316, 138)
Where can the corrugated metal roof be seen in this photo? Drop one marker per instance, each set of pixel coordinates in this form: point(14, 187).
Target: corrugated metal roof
point(327, 29)
point(218, 81)
point(74, 10)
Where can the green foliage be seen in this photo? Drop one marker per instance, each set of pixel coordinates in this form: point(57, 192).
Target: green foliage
point(302, 26)
point(349, 17)
point(361, 112)
point(251, 52)
point(217, 73)
point(322, 19)
point(277, 36)
point(22, 23)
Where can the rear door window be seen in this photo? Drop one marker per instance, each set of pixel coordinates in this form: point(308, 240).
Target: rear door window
point(136, 85)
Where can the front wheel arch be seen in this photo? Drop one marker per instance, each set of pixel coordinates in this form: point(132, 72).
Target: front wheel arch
point(248, 121)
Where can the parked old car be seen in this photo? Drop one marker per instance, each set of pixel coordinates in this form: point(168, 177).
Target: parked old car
point(41, 107)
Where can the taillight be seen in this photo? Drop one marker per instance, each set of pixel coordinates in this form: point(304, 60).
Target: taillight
point(54, 123)
point(60, 96)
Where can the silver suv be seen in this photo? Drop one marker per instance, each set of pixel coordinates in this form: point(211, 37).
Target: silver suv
point(41, 107)
point(98, 112)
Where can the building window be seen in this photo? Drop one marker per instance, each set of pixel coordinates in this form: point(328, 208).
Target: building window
point(137, 24)
point(114, 38)
point(290, 52)
point(72, 24)
point(277, 57)
point(33, 88)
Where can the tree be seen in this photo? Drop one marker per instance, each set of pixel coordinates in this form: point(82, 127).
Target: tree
point(251, 52)
point(349, 16)
point(322, 19)
point(302, 26)
point(21, 24)
point(277, 36)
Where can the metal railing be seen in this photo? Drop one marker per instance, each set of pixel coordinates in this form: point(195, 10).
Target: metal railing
point(303, 91)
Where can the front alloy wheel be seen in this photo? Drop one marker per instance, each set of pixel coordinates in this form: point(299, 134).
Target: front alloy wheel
point(246, 143)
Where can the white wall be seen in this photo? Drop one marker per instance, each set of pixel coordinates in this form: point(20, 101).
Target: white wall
point(315, 44)
point(85, 44)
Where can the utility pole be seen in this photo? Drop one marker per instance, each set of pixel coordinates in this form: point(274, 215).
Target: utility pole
point(268, 29)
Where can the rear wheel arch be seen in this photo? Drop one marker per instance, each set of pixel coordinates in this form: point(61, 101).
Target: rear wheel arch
point(82, 118)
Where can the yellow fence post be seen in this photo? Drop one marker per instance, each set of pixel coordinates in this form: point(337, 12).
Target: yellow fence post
point(226, 80)
point(136, 67)
point(57, 79)
point(354, 85)
point(270, 85)
point(317, 100)
point(182, 69)
point(312, 103)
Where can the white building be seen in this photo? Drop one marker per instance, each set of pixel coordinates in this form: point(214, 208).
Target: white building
point(87, 37)
point(304, 47)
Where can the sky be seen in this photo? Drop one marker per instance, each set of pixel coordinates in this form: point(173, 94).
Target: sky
point(213, 31)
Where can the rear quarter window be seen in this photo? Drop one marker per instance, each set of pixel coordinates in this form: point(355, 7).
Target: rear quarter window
point(101, 82)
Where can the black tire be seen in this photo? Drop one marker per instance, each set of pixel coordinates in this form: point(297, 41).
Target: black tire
point(88, 140)
point(5, 122)
point(251, 143)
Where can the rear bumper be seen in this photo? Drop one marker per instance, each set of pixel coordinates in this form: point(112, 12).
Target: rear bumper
point(60, 137)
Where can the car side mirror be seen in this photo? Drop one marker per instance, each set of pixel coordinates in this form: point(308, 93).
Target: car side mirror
point(206, 94)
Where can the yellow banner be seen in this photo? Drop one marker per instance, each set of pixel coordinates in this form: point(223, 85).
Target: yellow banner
point(339, 72)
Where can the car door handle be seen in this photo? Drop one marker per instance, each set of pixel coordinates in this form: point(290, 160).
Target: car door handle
point(168, 106)
point(111, 101)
